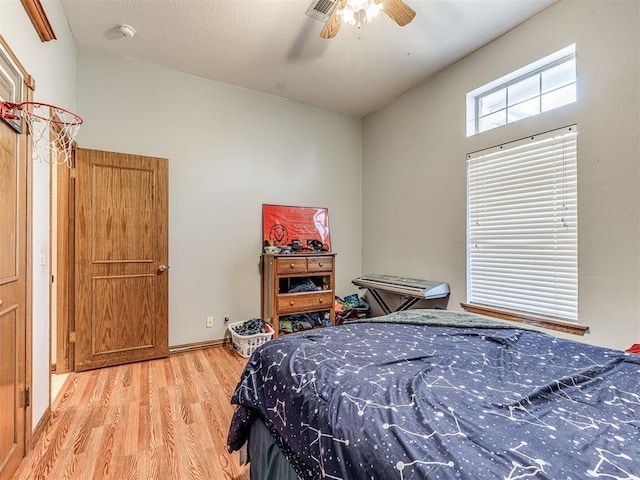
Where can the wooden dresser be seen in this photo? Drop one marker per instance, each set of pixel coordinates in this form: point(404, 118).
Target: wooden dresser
point(281, 271)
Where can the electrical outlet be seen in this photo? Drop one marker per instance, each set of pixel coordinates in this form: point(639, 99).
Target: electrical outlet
point(227, 319)
point(209, 322)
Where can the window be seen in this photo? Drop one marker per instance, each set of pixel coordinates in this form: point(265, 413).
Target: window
point(522, 232)
point(542, 86)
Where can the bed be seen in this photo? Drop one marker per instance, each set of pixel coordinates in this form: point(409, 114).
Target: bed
point(428, 394)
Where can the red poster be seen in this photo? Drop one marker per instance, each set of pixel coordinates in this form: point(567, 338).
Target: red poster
point(282, 224)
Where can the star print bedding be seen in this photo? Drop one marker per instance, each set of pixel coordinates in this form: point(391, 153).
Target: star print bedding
point(427, 394)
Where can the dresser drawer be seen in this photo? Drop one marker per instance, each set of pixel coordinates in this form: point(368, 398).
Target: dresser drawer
point(304, 302)
point(320, 264)
point(291, 265)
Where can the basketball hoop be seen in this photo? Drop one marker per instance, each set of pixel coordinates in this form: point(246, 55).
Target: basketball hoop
point(52, 129)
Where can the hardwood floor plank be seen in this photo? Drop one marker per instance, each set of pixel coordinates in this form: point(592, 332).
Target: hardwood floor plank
point(144, 428)
point(129, 468)
point(103, 397)
point(132, 427)
point(88, 385)
point(84, 430)
point(190, 454)
point(155, 423)
point(125, 428)
point(169, 433)
point(143, 380)
point(88, 459)
point(162, 419)
point(186, 368)
point(70, 470)
point(103, 466)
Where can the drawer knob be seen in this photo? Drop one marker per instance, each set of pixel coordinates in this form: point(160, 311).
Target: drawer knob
point(321, 300)
point(320, 264)
point(291, 265)
point(291, 303)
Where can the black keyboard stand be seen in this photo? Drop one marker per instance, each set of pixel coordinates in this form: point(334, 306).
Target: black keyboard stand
point(388, 294)
point(406, 305)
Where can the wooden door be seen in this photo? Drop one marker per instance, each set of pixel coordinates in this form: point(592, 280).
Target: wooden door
point(14, 276)
point(121, 311)
point(13, 231)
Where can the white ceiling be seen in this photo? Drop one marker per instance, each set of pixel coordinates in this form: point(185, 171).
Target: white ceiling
point(271, 45)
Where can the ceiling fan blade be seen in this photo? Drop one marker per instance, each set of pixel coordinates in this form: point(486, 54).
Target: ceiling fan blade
point(332, 26)
point(398, 11)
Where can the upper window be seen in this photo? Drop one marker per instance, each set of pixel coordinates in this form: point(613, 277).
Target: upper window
point(539, 87)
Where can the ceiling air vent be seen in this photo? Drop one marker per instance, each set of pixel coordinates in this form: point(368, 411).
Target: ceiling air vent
point(321, 9)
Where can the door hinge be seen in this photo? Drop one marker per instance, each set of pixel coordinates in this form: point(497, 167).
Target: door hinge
point(27, 397)
point(72, 337)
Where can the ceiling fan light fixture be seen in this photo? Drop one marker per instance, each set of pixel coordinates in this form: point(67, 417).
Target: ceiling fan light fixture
point(348, 15)
point(372, 10)
point(357, 12)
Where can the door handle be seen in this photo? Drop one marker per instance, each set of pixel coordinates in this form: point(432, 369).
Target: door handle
point(163, 268)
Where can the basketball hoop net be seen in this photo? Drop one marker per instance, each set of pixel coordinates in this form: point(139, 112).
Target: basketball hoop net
point(53, 129)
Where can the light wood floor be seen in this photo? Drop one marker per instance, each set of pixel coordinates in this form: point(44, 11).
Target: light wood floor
point(158, 420)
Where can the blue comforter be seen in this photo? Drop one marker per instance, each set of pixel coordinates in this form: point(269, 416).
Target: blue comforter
point(443, 395)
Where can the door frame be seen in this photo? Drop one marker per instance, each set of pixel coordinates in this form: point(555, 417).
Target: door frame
point(29, 277)
point(62, 190)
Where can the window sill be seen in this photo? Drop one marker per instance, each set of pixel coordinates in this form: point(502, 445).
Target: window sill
point(520, 317)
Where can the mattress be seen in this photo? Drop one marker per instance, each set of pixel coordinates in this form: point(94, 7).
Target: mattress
point(442, 395)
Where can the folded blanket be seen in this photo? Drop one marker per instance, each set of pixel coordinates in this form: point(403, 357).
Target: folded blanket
point(443, 318)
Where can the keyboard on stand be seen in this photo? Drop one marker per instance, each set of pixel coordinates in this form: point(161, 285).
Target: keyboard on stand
point(414, 289)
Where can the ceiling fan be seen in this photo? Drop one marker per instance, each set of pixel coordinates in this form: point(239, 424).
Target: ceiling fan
point(357, 11)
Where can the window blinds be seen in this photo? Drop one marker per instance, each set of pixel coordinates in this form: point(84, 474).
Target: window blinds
point(522, 232)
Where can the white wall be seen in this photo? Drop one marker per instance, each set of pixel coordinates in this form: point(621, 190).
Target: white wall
point(414, 170)
point(230, 150)
point(52, 64)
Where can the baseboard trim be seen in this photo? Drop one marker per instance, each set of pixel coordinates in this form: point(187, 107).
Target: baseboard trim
point(189, 347)
point(41, 427)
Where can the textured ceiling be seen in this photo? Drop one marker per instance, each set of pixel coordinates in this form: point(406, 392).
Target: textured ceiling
point(271, 45)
